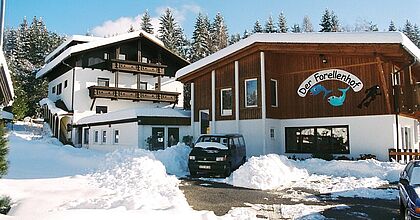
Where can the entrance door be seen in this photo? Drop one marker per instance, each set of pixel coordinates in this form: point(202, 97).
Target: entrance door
point(173, 136)
point(204, 122)
point(158, 138)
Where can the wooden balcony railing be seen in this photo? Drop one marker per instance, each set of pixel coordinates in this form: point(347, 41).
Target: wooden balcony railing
point(405, 155)
point(408, 98)
point(132, 94)
point(137, 67)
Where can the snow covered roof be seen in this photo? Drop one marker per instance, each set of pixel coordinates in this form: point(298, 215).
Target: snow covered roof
point(93, 44)
point(7, 73)
point(70, 39)
point(134, 113)
point(51, 106)
point(314, 37)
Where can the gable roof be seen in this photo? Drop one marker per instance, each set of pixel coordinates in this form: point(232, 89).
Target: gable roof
point(98, 43)
point(79, 38)
point(313, 37)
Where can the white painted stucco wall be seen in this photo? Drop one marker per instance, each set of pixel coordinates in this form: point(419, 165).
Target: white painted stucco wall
point(128, 137)
point(66, 92)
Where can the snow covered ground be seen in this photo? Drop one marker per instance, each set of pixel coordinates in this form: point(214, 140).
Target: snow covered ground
point(47, 180)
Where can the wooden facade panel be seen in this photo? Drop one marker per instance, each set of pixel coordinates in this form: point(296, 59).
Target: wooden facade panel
point(202, 93)
point(249, 68)
point(290, 70)
point(225, 78)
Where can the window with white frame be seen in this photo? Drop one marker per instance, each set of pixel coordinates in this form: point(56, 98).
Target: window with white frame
point(272, 133)
point(226, 101)
point(59, 88)
point(96, 138)
point(106, 56)
point(103, 81)
point(121, 56)
point(251, 94)
point(116, 136)
point(86, 136)
point(273, 93)
point(103, 137)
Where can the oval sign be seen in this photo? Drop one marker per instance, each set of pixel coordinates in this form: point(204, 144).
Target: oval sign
point(332, 74)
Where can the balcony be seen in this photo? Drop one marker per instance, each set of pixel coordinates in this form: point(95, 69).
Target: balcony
point(137, 67)
point(408, 98)
point(132, 94)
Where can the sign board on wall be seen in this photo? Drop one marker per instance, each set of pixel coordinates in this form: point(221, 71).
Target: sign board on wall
point(313, 85)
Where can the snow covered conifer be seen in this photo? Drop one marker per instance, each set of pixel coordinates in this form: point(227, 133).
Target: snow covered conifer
point(201, 40)
point(326, 23)
point(234, 38)
point(296, 28)
point(245, 34)
point(392, 26)
point(146, 23)
point(219, 34)
point(257, 27)
point(412, 32)
point(269, 26)
point(170, 33)
point(307, 24)
point(282, 23)
point(335, 23)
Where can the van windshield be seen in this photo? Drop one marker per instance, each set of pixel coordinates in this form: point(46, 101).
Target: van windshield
point(220, 140)
point(415, 176)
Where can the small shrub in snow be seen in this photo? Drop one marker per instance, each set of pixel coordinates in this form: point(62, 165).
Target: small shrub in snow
point(5, 205)
point(323, 155)
point(366, 156)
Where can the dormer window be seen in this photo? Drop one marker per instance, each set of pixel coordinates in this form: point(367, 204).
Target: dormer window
point(121, 56)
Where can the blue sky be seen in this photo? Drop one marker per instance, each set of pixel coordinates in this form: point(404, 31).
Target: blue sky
point(102, 17)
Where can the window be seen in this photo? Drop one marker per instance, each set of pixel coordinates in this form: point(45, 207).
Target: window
point(53, 89)
point(251, 96)
point(143, 85)
point(86, 136)
point(116, 136)
point(121, 56)
point(96, 139)
point(328, 139)
point(104, 137)
point(101, 109)
point(103, 82)
point(273, 93)
point(226, 101)
point(59, 88)
point(144, 60)
point(65, 84)
point(106, 56)
point(272, 133)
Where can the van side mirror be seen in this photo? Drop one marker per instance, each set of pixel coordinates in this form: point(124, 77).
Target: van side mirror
point(404, 181)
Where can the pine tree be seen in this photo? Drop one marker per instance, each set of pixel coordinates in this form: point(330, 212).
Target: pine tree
point(326, 23)
point(146, 23)
point(416, 32)
point(245, 34)
point(257, 27)
point(131, 29)
point(3, 152)
point(200, 46)
point(234, 38)
point(219, 33)
point(392, 26)
point(335, 23)
point(282, 23)
point(410, 32)
point(269, 26)
point(307, 24)
point(170, 32)
point(296, 28)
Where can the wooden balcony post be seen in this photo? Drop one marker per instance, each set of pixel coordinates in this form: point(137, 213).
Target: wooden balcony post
point(159, 79)
point(138, 81)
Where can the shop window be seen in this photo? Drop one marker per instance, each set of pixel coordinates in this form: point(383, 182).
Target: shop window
point(328, 139)
point(96, 138)
point(59, 88)
point(251, 96)
point(103, 82)
point(226, 101)
point(101, 109)
point(273, 93)
point(116, 136)
point(103, 137)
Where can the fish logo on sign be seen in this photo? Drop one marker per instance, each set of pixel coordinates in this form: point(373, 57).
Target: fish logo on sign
point(313, 86)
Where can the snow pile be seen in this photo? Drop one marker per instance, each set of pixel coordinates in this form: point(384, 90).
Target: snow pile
point(267, 172)
point(175, 158)
point(360, 169)
point(138, 183)
point(52, 107)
